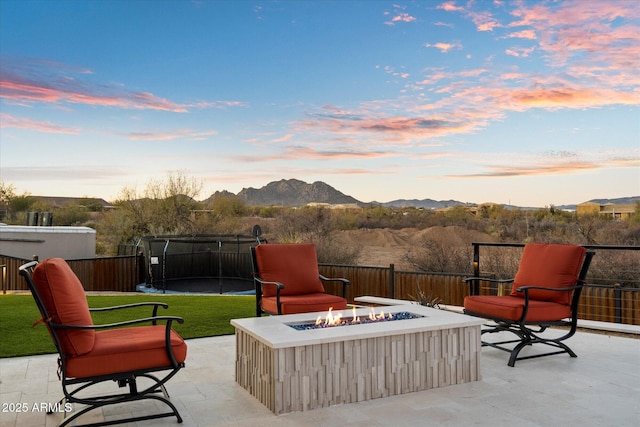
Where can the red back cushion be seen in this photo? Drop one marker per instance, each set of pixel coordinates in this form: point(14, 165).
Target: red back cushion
point(551, 266)
point(295, 265)
point(64, 298)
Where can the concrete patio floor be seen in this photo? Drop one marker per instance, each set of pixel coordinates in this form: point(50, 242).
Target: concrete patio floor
point(599, 388)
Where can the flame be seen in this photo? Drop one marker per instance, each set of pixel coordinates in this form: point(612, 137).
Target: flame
point(331, 319)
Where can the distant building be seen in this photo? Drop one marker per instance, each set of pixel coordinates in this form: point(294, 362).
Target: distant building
point(345, 206)
point(609, 209)
point(44, 242)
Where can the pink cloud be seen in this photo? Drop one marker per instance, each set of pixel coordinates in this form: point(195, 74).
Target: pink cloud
point(310, 153)
point(557, 168)
point(299, 152)
point(36, 80)
point(520, 52)
point(283, 138)
point(42, 92)
point(168, 136)
point(403, 17)
point(8, 121)
point(445, 47)
point(450, 6)
point(569, 97)
point(393, 130)
point(484, 21)
point(524, 34)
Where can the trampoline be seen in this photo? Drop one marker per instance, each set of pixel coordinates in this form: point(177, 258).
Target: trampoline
point(219, 264)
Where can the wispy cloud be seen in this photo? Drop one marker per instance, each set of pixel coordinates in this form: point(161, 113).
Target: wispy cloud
point(84, 173)
point(386, 129)
point(484, 20)
point(402, 17)
point(171, 135)
point(17, 89)
point(398, 15)
point(555, 163)
point(300, 152)
point(445, 47)
point(27, 80)
point(520, 52)
point(450, 6)
point(8, 121)
point(524, 34)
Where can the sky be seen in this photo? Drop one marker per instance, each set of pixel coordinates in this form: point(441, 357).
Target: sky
point(529, 103)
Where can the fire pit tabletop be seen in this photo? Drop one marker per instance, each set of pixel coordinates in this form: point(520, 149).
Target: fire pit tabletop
point(275, 332)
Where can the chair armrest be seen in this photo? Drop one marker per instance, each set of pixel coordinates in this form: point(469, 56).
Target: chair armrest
point(265, 282)
point(525, 289)
point(345, 283)
point(169, 320)
point(486, 279)
point(153, 304)
point(137, 304)
point(278, 286)
point(335, 279)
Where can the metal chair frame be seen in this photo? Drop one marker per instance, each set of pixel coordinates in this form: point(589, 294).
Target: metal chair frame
point(123, 379)
point(259, 283)
point(530, 333)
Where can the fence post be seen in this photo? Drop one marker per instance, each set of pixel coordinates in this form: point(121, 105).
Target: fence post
point(476, 269)
point(617, 303)
point(3, 272)
point(392, 280)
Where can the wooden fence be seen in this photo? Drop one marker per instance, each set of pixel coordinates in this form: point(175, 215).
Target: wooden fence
point(111, 274)
point(603, 303)
point(607, 303)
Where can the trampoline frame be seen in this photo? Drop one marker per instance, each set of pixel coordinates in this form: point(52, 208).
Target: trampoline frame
point(200, 253)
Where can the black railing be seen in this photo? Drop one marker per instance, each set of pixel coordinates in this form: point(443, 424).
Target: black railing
point(614, 275)
point(612, 293)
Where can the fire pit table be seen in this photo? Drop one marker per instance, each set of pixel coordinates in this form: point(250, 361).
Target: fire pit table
point(292, 368)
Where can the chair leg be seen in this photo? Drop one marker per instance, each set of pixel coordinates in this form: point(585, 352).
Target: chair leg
point(134, 394)
point(526, 337)
point(174, 412)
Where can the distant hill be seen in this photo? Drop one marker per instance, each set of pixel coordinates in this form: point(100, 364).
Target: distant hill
point(618, 201)
point(425, 203)
point(293, 192)
point(57, 202)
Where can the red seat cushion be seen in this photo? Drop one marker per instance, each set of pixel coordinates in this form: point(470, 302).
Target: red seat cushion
point(64, 298)
point(551, 266)
point(127, 349)
point(295, 265)
point(304, 303)
point(511, 308)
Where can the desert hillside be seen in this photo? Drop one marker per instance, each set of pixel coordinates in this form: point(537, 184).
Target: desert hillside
point(381, 247)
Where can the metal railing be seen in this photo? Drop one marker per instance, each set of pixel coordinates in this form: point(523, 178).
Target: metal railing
point(612, 292)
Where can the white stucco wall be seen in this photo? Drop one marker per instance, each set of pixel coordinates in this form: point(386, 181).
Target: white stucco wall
point(47, 242)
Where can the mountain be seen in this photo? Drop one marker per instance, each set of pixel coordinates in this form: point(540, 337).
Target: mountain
point(293, 192)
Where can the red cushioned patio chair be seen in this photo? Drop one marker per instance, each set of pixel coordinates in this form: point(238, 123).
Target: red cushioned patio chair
point(288, 281)
point(545, 292)
point(96, 354)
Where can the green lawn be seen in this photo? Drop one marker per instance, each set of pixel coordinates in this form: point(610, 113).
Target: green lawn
point(204, 316)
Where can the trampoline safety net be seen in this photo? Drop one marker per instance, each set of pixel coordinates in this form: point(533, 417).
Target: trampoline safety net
point(178, 262)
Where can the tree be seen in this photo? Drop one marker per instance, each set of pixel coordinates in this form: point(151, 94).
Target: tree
point(13, 203)
point(164, 207)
